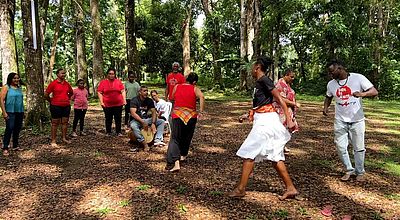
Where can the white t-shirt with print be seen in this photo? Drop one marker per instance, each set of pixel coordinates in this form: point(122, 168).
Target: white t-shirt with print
point(348, 108)
point(161, 106)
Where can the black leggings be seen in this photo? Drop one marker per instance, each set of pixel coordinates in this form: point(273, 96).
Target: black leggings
point(181, 137)
point(110, 113)
point(79, 115)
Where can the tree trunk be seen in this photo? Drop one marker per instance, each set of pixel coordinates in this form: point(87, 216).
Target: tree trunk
point(130, 32)
point(97, 45)
point(243, 46)
point(257, 29)
point(53, 49)
point(250, 32)
point(43, 7)
point(81, 64)
point(215, 38)
point(186, 40)
point(36, 111)
point(8, 49)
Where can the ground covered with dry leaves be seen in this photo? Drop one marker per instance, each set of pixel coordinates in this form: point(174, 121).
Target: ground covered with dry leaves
point(96, 177)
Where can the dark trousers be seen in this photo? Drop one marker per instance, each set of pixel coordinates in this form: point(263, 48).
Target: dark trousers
point(127, 111)
point(110, 113)
point(181, 137)
point(79, 116)
point(13, 127)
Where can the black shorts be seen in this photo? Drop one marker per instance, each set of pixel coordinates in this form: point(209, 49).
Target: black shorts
point(59, 111)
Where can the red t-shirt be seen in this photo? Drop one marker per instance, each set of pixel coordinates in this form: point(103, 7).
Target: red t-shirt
point(185, 97)
point(111, 91)
point(62, 92)
point(172, 80)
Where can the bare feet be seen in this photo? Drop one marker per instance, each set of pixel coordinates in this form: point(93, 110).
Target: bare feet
point(146, 147)
point(6, 153)
point(289, 194)
point(236, 193)
point(66, 141)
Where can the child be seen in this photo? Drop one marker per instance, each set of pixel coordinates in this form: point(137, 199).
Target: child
point(80, 98)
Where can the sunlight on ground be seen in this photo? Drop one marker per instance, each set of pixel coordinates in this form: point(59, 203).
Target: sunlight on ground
point(365, 197)
point(45, 171)
point(212, 149)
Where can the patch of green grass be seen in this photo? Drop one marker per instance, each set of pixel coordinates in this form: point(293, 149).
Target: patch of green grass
point(303, 211)
point(386, 164)
point(104, 211)
point(182, 208)
point(228, 95)
point(393, 196)
point(252, 217)
point(377, 216)
point(305, 97)
point(181, 189)
point(98, 153)
point(281, 213)
point(2, 129)
point(124, 203)
point(216, 193)
point(143, 187)
point(324, 163)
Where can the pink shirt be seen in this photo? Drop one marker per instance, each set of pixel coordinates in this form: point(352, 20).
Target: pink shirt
point(80, 98)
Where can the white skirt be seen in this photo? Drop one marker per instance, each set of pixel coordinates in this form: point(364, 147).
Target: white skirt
point(266, 140)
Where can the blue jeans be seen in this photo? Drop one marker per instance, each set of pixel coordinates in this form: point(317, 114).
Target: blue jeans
point(137, 126)
point(352, 132)
point(13, 127)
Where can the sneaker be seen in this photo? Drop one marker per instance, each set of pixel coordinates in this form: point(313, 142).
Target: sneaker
point(134, 149)
point(347, 176)
point(159, 143)
point(83, 133)
point(120, 135)
point(360, 178)
point(74, 134)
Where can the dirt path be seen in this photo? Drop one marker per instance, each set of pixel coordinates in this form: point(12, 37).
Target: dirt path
point(97, 177)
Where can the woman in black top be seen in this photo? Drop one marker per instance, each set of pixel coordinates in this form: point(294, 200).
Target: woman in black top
point(267, 139)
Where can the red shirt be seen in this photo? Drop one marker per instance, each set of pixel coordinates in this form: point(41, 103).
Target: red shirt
point(172, 80)
point(111, 91)
point(62, 92)
point(185, 97)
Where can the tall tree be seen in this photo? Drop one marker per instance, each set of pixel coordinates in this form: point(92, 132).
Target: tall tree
point(8, 49)
point(97, 44)
point(213, 24)
point(186, 39)
point(36, 110)
point(53, 48)
point(43, 8)
point(130, 33)
point(81, 65)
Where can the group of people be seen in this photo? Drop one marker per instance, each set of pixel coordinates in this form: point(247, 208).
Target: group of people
point(273, 115)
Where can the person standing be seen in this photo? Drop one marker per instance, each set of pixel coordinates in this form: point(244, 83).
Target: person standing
point(60, 107)
point(112, 98)
point(184, 119)
point(132, 89)
point(267, 138)
point(289, 97)
point(349, 125)
point(80, 98)
point(173, 78)
point(12, 106)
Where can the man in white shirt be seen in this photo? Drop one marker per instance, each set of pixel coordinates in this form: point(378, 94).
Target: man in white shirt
point(348, 89)
point(161, 105)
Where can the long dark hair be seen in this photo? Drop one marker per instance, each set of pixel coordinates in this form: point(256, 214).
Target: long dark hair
point(10, 78)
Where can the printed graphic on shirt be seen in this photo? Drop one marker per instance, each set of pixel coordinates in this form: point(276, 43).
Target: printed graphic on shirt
point(344, 93)
point(173, 82)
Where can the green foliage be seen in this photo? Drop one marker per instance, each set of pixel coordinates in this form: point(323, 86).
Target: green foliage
point(181, 189)
point(124, 203)
point(104, 211)
point(182, 208)
point(216, 193)
point(143, 187)
point(281, 214)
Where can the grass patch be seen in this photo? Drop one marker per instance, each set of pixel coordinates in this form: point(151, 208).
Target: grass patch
point(393, 196)
point(303, 211)
point(98, 153)
point(143, 187)
point(324, 163)
point(124, 203)
point(104, 211)
point(252, 217)
point(386, 164)
point(281, 214)
point(181, 190)
point(182, 208)
point(216, 193)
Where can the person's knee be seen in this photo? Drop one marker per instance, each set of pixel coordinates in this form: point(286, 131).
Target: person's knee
point(64, 121)
point(55, 122)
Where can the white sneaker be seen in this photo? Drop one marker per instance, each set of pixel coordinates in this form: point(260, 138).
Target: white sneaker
point(74, 134)
point(159, 143)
